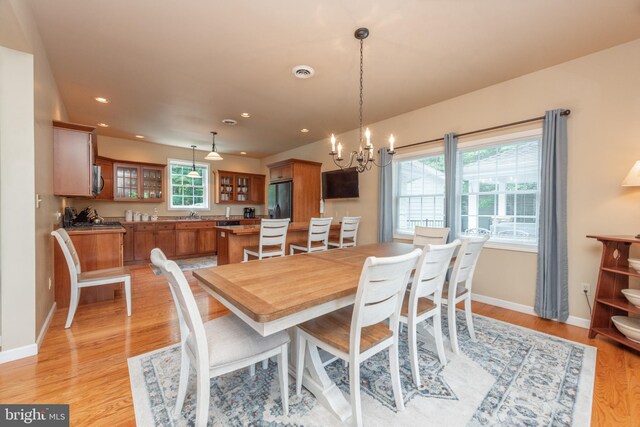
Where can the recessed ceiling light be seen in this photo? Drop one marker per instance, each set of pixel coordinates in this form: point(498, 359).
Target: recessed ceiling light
point(229, 122)
point(245, 115)
point(305, 130)
point(102, 100)
point(140, 136)
point(103, 125)
point(243, 152)
point(303, 71)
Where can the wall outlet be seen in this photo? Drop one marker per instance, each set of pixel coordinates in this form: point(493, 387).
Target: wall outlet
point(586, 287)
point(49, 282)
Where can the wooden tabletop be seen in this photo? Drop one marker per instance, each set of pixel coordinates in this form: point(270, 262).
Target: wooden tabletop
point(271, 289)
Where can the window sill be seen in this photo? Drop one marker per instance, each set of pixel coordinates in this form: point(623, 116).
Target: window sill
point(188, 208)
point(512, 247)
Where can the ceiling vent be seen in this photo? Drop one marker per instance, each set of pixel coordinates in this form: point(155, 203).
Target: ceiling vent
point(303, 71)
point(229, 122)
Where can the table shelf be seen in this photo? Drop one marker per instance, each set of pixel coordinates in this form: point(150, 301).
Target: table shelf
point(627, 271)
point(615, 335)
point(619, 303)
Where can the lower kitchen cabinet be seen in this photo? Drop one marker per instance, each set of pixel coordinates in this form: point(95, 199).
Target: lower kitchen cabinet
point(166, 239)
point(127, 246)
point(144, 240)
point(186, 241)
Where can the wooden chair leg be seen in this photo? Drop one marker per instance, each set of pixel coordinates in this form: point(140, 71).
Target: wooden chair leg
point(354, 385)
point(300, 362)
point(394, 366)
point(127, 294)
point(469, 316)
point(202, 399)
point(73, 305)
point(453, 333)
point(283, 376)
point(437, 334)
point(245, 257)
point(413, 354)
point(182, 385)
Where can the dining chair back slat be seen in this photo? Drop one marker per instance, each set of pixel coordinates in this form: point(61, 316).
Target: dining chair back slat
point(348, 232)
point(69, 252)
point(430, 236)
point(273, 232)
point(432, 269)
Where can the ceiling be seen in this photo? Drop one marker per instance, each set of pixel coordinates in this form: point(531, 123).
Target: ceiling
point(174, 69)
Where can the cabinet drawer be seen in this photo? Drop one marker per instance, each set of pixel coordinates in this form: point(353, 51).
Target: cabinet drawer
point(194, 225)
point(170, 226)
point(145, 227)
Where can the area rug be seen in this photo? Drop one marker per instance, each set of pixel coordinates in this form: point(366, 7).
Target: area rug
point(190, 264)
point(510, 376)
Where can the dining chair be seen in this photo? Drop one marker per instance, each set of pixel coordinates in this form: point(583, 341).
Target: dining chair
point(357, 332)
point(318, 237)
point(459, 286)
point(218, 346)
point(430, 236)
point(348, 232)
point(423, 300)
point(273, 237)
point(79, 280)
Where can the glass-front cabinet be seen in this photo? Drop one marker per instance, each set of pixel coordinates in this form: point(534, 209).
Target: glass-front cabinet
point(234, 187)
point(138, 182)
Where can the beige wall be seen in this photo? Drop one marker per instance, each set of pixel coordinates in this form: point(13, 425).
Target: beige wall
point(19, 32)
point(604, 141)
point(124, 149)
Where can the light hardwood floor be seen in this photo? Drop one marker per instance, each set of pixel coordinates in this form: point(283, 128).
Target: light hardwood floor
point(86, 365)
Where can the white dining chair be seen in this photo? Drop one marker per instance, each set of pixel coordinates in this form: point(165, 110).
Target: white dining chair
point(357, 332)
point(423, 300)
point(218, 346)
point(79, 280)
point(430, 236)
point(273, 238)
point(317, 239)
point(348, 233)
point(459, 286)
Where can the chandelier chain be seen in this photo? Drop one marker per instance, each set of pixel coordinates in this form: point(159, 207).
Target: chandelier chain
point(361, 86)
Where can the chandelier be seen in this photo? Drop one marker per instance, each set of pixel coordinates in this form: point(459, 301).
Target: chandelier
point(365, 156)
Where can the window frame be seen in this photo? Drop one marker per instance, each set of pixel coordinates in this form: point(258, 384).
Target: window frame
point(205, 184)
point(488, 142)
point(413, 155)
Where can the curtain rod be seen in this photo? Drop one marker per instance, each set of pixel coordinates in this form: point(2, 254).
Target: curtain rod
point(521, 122)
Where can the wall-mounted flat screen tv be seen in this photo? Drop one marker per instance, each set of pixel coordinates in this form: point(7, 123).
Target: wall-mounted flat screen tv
point(340, 184)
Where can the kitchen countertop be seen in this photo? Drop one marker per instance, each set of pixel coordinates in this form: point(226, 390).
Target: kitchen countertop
point(183, 219)
point(95, 230)
point(255, 229)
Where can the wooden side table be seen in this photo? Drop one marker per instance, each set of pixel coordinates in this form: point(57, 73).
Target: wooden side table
point(613, 277)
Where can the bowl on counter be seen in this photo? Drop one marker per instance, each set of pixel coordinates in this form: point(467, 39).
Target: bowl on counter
point(634, 263)
point(629, 326)
point(633, 296)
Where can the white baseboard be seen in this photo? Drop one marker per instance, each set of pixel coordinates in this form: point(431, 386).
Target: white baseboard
point(18, 353)
point(521, 308)
point(45, 326)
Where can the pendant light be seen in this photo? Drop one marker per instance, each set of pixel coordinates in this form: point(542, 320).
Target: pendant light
point(213, 155)
point(194, 173)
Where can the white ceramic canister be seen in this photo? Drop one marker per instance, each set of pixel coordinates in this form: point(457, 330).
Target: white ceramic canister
point(136, 216)
point(128, 215)
point(145, 216)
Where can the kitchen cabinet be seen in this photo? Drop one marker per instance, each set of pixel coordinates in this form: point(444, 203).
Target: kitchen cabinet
point(166, 239)
point(206, 240)
point(144, 240)
point(186, 242)
point(140, 182)
point(74, 154)
point(127, 246)
point(307, 188)
point(106, 176)
point(239, 188)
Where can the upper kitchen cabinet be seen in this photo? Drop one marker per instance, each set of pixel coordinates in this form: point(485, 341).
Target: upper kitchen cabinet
point(74, 155)
point(239, 188)
point(141, 182)
point(306, 186)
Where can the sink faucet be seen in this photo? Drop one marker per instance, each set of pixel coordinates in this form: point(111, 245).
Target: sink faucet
point(193, 214)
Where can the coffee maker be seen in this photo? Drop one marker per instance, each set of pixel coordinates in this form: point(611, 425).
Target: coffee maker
point(249, 212)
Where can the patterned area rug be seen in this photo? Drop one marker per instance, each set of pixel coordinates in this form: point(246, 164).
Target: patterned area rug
point(190, 264)
point(510, 376)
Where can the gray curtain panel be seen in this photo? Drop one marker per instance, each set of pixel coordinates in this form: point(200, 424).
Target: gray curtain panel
point(552, 294)
point(385, 198)
point(450, 159)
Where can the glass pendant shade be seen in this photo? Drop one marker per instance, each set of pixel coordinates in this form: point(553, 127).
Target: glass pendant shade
point(194, 173)
point(633, 177)
point(213, 155)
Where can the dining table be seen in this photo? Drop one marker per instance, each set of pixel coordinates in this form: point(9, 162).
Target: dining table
point(276, 294)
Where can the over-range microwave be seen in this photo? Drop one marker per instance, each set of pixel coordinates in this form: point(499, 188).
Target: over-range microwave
point(98, 181)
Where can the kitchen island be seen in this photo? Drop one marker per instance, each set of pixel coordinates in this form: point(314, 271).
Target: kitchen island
point(232, 239)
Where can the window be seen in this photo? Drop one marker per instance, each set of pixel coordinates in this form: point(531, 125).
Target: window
point(419, 193)
point(498, 186)
point(186, 192)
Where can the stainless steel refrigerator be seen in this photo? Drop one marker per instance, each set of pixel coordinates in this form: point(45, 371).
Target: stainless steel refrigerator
point(280, 200)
